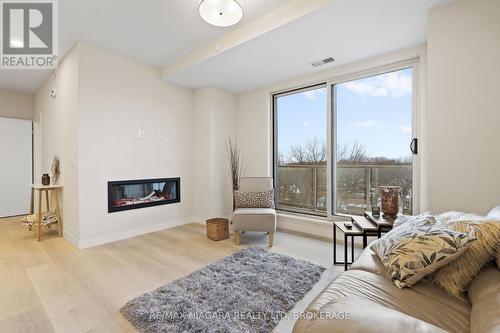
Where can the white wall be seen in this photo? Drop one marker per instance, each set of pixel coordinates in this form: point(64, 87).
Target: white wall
point(464, 106)
point(59, 118)
point(117, 98)
point(254, 111)
point(16, 105)
point(214, 124)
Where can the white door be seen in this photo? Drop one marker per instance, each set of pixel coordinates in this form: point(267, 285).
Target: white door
point(15, 166)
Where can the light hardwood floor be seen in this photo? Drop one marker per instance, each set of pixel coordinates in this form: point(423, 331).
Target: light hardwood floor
point(50, 286)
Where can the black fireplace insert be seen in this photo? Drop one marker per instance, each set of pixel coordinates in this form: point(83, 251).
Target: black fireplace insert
point(132, 194)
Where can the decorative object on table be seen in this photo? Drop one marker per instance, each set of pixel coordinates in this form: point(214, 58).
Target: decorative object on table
point(248, 284)
point(217, 229)
point(253, 199)
point(414, 250)
point(236, 164)
point(456, 277)
point(390, 201)
point(376, 211)
point(45, 179)
point(55, 170)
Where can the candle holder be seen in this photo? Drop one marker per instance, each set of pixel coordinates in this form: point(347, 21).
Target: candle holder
point(390, 201)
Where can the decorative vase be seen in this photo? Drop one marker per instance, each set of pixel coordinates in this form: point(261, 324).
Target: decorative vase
point(45, 179)
point(55, 170)
point(390, 201)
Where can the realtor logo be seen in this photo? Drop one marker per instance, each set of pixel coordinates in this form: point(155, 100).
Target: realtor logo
point(29, 34)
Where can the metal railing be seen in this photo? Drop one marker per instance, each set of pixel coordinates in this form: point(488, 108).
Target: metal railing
point(304, 187)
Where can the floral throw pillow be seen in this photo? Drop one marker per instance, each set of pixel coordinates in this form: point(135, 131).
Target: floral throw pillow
point(414, 250)
point(254, 199)
point(411, 219)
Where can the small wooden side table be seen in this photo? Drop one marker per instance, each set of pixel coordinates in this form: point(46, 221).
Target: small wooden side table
point(55, 189)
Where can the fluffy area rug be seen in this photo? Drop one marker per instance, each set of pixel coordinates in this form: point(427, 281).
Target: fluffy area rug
point(249, 291)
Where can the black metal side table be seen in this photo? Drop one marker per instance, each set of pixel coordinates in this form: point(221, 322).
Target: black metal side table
point(348, 233)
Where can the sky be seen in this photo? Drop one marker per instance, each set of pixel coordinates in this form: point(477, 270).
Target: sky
point(375, 111)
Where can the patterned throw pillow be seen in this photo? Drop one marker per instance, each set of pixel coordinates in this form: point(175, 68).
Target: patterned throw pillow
point(456, 276)
point(254, 199)
point(410, 219)
point(414, 250)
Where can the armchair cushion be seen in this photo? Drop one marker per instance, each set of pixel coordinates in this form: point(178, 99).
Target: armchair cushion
point(254, 199)
point(254, 211)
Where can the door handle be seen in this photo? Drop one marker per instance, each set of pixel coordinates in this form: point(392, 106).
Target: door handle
point(414, 146)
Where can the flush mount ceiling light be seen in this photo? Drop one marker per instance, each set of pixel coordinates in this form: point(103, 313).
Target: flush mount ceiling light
point(221, 13)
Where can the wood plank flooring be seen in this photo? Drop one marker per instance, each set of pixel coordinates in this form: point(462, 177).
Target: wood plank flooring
point(50, 286)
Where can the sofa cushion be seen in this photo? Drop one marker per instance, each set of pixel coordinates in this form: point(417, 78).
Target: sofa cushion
point(424, 301)
point(494, 213)
point(357, 315)
point(414, 250)
point(254, 199)
point(484, 294)
point(456, 276)
point(368, 261)
point(254, 219)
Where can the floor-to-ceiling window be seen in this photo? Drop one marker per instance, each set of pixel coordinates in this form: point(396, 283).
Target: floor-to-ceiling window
point(373, 132)
point(372, 143)
point(300, 149)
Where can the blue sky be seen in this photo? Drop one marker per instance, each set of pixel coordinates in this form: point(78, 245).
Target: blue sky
point(375, 111)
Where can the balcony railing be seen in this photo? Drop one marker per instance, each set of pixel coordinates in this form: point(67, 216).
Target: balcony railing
point(304, 187)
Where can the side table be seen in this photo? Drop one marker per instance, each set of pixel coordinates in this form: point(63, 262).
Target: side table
point(353, 232)
point(47, 189)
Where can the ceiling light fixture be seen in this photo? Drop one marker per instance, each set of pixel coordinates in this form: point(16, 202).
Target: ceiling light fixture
point(221, 13)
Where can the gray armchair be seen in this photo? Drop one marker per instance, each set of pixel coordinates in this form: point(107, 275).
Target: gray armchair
point(255, 219)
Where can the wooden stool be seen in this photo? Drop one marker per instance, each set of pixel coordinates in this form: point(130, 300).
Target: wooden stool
point(45, 188)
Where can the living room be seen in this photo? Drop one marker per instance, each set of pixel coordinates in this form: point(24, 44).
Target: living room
point(250, 166)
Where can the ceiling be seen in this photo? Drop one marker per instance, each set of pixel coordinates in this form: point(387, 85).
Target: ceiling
point(154, 31)
point(160, 32)
point(347, 30)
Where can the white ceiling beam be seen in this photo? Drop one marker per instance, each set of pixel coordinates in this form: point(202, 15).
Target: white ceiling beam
point(285, 14)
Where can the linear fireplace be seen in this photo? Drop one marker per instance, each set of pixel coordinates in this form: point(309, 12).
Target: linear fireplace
point(132, 194)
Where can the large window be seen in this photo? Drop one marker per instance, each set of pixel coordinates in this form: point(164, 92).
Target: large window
point(371, 130)
point(300, 141)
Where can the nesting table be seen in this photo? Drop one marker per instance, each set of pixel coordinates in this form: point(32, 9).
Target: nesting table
point(362, 226)
point(48, 189)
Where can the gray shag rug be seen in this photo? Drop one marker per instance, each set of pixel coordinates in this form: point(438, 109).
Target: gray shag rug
point(249, 291)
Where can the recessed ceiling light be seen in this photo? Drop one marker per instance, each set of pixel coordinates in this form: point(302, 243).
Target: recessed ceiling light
point(221, 13)
point(16, 43)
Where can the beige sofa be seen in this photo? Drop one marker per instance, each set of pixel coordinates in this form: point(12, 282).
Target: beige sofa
point(364, 299)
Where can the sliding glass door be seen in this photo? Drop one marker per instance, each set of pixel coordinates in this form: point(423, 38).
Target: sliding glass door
point(336, 143)
point(373, 132)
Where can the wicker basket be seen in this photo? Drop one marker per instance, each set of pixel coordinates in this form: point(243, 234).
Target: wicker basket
point(217, 229)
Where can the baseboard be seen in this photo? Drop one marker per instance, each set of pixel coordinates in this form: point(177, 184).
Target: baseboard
point(70, 238)
point(99, 240)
